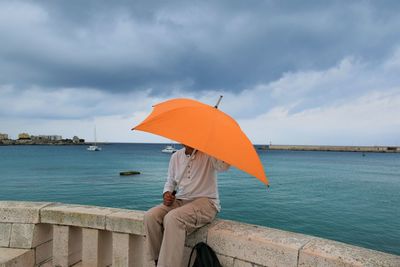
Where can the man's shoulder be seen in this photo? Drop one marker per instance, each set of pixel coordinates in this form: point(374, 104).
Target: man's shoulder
point(178, 153)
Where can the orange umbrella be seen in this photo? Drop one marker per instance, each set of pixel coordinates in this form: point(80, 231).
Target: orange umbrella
point(207, 129)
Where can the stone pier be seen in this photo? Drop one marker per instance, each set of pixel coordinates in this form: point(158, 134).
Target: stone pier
point(34, 234)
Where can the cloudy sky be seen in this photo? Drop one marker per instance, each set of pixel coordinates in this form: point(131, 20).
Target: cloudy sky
point(291, 72)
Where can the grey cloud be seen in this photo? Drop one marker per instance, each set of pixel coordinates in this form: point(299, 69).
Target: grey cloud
point(121, 46)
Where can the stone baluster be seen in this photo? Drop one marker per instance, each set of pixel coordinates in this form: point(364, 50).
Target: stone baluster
point(121, 250)
point(96, 248)
point(67, 245)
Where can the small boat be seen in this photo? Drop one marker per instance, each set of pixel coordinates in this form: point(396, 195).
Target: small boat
point(94, 147)
point(129, 173)
point(169, 149)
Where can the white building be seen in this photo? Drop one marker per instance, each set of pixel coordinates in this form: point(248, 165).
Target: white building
point(47, 137)
point(3, 136)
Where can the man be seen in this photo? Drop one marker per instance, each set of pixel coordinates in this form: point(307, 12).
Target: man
point(196, 203)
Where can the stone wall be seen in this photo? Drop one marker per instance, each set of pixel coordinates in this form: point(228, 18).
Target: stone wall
point(55, 234)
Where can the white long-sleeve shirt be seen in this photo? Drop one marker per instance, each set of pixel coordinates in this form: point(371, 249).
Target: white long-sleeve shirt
point(199, 179)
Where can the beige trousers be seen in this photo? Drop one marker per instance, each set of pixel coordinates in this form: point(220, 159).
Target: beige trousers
point(166, 228)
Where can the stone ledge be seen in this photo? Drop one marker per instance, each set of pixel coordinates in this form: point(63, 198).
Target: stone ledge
point(21, 211)
point(126, 221)
point(76, 215)
point(260, 245)
point(12, 257)
point(323, 252)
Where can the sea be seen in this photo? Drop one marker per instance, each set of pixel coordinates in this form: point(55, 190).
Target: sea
point(345, 196)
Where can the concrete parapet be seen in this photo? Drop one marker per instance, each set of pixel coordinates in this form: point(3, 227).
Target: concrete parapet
point(76, 215)
point(30, 235)
point(74, 235)
point(326, 253)
point(21, 211)
point(255, 244)
point(13, 257)
point(125, 222)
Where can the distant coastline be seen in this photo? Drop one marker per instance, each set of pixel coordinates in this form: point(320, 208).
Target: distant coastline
point(380, 149)
point(10, 142)
point(27, 139)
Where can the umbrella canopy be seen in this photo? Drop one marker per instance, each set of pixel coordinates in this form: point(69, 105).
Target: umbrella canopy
point(207, 129)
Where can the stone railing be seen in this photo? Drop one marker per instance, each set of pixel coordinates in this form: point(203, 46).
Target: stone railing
point(55, 234)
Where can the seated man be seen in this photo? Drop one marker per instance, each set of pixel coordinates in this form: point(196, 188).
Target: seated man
point(196, 203)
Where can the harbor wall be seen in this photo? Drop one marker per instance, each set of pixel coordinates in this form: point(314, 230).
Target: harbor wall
point(55, 234)
point(383, 149)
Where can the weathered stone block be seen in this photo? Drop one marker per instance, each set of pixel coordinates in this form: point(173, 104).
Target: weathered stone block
point(60, 245)
point(200, 235)
point(240, 263)
point(90, 247)
point(138, 250)
point(75, 245)
point(13, 257)
point(48, 263)
point(29, 235)
point(5, 234)
point(105, 248)
point(67, 245)
point(96, 247)
point(260, 245)
point(44, 252)
point(20, 211)
point(76, 215)
point(130, 222)
point(122, 245)
point(324, 253)
point(22, 235)
point(225, 260)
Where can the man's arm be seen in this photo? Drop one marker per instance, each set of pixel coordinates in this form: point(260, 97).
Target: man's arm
point(220, 165)
point(170, 184)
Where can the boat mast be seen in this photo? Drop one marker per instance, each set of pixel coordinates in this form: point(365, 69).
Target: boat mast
point(95, 137)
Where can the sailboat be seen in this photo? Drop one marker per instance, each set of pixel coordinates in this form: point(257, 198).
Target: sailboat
point(94, 147)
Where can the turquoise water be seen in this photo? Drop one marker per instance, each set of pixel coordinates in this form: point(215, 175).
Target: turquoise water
point(335, 195)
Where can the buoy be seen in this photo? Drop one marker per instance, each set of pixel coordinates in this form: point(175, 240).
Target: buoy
point(129, 173)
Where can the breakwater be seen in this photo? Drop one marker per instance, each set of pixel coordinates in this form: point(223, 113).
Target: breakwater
point(55, 234)
point(382, 149)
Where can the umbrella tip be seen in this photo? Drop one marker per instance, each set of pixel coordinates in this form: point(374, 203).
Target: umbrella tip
point(219, 100)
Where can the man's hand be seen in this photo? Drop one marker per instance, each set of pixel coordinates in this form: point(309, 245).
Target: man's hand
point(168, 198)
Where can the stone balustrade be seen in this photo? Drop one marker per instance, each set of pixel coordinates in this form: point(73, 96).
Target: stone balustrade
point(54, 234)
